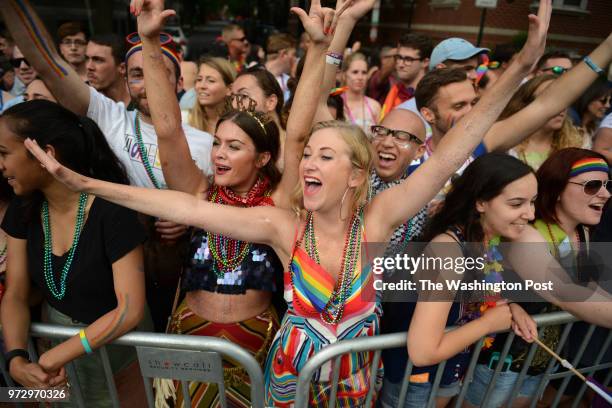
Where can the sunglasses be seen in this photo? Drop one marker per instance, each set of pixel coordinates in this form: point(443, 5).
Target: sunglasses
point(16, 62)
point(400, 138)
point(606, 100)
point(592, 187)
point(134, 39)
point(405, 59)
point(556, 70)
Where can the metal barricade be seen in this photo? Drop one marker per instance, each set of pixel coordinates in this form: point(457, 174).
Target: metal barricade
point(162, 344)
point(376, 344)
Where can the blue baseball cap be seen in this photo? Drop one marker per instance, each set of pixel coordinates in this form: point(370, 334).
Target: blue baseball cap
point(454, 48)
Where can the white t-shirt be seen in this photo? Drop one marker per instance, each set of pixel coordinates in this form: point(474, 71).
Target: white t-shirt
point(606, 122)
point(117, 124)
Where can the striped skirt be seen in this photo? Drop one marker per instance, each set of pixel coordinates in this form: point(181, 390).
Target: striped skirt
point(254, 335)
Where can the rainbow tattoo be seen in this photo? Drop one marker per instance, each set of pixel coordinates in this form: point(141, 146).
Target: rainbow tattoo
point(28, 21)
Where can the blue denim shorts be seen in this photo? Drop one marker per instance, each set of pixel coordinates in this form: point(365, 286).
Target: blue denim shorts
point(504, 384)
point(417, 395)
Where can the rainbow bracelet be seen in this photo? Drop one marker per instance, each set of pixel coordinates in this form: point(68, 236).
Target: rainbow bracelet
point(85, 342)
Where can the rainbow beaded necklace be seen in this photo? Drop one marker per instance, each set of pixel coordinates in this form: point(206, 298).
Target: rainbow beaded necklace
point(143, 154)
point(334, 309)
point(48, 246)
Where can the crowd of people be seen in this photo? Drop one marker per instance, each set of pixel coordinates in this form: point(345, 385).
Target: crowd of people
point(234, 196)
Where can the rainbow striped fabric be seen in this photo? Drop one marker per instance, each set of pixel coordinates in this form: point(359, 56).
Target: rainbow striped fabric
point(303, 333)
point(589, 164)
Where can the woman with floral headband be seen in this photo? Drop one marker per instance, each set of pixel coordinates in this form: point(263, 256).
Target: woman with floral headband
point(327, 302)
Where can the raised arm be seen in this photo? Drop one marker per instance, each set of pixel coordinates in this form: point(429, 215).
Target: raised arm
point(317, 24)
point(561, 93)
point(346, 23)
point(456, 146)
point(180, 171)
point(37, 46)
point(266, 225)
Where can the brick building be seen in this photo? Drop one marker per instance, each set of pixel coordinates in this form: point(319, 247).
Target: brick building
point(577, 25)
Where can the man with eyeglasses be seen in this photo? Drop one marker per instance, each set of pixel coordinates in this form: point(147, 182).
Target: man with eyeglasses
point(555, 62)
point(237, 44)
point(72, 45)
point(411, 61)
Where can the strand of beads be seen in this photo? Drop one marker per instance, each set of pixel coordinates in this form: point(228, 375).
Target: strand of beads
point(227, 253)
point(143, 156)
point(48, 244)
point(334, 308)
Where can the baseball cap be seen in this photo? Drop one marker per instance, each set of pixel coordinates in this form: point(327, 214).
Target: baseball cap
point(453, 49)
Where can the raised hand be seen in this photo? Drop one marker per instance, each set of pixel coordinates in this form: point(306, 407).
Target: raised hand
point(355, 9)
point(73, 180)
point(151, 16)
point(536, 39)
point(317, 22)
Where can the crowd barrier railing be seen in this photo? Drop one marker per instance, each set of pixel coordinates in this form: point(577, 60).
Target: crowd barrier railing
point(376, 344)
point(198, 358)
point(162, 356)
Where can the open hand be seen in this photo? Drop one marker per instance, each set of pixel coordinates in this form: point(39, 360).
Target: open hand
point(151, 16)
point(536, 39)
point(73, 180)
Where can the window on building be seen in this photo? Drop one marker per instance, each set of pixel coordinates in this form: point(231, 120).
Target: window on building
point(570, 4)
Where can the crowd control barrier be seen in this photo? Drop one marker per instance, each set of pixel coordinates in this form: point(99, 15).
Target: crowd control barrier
point(167, 356)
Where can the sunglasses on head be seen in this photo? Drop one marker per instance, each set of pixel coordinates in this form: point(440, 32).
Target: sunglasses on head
point(592, 187)
point(134, 39)
point(556, 70)
point(16, 62)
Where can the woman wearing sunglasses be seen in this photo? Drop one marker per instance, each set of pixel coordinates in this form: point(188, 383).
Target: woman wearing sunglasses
point(557, 133)
point(573, 187)
point(588, 111)
point(212, 85)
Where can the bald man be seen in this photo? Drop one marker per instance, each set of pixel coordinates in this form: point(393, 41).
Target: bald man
point(396, 143)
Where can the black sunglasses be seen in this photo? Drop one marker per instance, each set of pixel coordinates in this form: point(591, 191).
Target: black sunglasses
point(592, 187)
point(16, 62)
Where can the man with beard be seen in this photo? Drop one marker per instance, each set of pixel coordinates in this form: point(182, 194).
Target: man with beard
point(130, 134)
point(106, 68)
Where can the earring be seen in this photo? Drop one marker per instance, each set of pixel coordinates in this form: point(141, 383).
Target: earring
point(342, 204)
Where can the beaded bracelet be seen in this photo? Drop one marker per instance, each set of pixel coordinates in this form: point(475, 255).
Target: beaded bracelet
point(587, 60)
point(85, 342)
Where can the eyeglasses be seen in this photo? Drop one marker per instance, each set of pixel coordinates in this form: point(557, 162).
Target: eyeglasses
point(405, 59)
point(134, 39)
point(16, 62)
point(76, 43)
point(556, 70)
point(241, 39)
point(400, 137)
point(592, 187)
